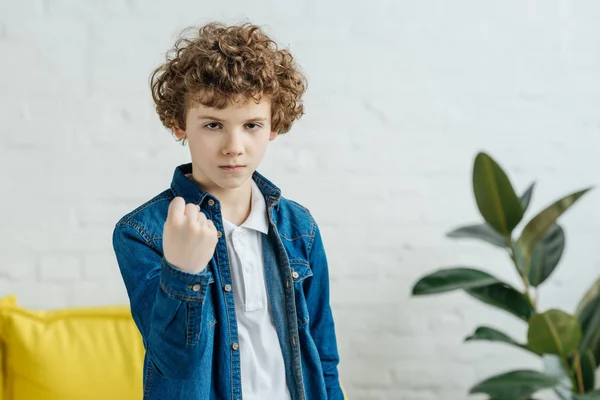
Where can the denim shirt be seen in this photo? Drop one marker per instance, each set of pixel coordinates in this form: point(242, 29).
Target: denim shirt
point(188, 322)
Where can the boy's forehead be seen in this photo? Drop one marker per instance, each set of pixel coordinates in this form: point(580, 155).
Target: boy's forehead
point(240, 107)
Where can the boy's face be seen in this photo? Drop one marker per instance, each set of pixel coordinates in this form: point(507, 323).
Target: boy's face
point(237, 136)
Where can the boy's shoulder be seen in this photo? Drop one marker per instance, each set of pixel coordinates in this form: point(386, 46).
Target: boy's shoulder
point(291, 218)
point(292, 212)
point(148, 218)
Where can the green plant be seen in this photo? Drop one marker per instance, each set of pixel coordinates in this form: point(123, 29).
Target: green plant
point(569, 344)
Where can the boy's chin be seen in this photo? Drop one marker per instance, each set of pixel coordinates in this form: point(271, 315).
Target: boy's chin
point(233, 182)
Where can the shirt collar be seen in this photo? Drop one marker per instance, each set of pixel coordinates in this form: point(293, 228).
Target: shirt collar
point(257, 220)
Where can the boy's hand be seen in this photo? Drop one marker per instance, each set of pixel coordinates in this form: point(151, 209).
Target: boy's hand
point(189, 238)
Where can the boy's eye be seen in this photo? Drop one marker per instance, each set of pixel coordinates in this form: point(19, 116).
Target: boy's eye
point(216, 125)
point(212, 125)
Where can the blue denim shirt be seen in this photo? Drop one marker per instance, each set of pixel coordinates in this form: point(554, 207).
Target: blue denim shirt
point(188, 322)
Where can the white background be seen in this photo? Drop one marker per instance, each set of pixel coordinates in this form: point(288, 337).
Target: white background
point(401, 97)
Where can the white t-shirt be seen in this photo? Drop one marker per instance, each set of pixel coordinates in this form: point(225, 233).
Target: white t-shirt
point(262, 365)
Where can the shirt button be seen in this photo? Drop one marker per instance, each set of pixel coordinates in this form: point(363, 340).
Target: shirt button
point(235, 346)
point(219, 234)
point(227, 288)
point(196, 287)
point(211, 202)
point(295, 275)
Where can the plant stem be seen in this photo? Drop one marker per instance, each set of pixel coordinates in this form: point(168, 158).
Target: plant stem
point(577, 363)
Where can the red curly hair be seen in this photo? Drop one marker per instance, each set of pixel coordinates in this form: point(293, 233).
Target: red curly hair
point(222, 64)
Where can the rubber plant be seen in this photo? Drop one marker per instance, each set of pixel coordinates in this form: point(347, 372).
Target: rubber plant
point(568, 344)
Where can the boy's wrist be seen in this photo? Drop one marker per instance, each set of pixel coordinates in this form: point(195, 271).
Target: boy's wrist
point(183, 285)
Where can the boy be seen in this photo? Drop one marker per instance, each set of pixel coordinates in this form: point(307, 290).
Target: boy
point(227, 279)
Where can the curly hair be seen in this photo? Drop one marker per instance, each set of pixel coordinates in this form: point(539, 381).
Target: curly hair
point(222, 64)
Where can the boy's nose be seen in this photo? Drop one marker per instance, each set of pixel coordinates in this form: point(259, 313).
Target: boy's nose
point(233, 144)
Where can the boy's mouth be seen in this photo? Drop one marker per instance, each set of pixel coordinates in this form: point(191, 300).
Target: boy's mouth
point(232, 168)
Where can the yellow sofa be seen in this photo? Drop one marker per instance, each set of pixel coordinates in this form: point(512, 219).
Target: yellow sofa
point(92, 353)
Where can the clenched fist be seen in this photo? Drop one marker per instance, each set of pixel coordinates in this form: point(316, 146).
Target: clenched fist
point(189, 238)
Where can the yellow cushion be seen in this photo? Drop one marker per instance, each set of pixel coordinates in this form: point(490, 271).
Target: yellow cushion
point(93, 353)
point(4, 302)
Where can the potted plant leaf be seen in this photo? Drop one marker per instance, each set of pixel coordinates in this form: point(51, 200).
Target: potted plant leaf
point(568, 344)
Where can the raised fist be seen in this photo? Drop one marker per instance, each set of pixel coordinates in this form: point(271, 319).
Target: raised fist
point(189, 238)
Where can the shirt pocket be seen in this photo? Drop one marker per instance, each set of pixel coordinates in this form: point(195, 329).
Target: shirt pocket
point(300, 273)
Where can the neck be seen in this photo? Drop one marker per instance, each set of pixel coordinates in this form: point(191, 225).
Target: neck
point(236, 204)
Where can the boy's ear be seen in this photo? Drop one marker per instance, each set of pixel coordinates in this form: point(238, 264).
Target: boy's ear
point(273, 135)
point(179, 133)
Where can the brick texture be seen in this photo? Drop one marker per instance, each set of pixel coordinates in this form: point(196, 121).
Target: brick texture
point(401, 97)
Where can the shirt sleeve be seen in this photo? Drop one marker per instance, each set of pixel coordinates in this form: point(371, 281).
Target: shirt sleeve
point(166, 303)
point(322, 326)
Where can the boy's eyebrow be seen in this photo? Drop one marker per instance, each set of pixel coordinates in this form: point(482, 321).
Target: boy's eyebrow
point(210, 117)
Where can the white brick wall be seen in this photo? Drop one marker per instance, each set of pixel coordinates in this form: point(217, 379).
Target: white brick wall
point(402, 94)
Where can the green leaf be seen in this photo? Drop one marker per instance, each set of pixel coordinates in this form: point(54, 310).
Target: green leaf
point(589, 319)
point(505, 297)
point(446, 280)
point(539, 226)
point(514, 385)
point(495, 195)
point(478, 284)
point(588, 396)
point(587, 310)
point(482, 232)
point(546, 255)
point(493, 335)
point(588, 368)
point(590, 295)
point(554, 332)
point(526, 197)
